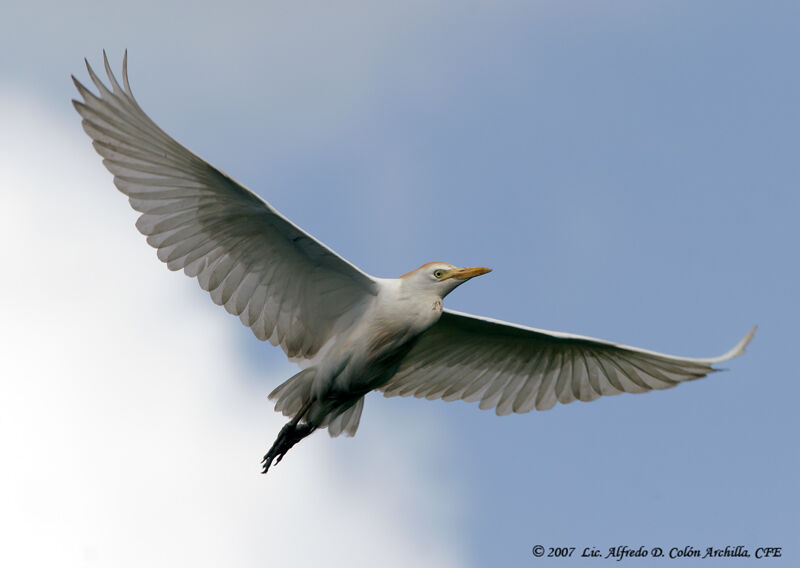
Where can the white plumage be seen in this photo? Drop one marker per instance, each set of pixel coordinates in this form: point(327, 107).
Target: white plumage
point(351, 333)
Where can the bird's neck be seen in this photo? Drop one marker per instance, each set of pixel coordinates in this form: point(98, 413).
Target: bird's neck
point(416, 308)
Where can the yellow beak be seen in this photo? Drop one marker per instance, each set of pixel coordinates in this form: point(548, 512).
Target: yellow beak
point(467, 273)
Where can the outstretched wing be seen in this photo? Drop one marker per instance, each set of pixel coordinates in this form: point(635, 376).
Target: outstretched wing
point(517, 369)
point(286, 286)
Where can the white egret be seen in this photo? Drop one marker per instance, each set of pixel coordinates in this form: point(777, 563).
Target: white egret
point(352, 333)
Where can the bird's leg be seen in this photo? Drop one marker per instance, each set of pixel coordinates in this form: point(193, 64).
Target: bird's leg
point(289, 435)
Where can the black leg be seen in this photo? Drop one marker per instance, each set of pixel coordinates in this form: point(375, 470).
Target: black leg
point(288, 437)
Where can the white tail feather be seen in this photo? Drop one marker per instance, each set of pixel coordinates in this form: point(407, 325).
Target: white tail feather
point(347, 422)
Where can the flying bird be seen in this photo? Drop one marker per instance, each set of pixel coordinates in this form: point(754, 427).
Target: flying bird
point(352, 333)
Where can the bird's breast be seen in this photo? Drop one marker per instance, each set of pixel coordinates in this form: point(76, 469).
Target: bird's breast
point(383, 338)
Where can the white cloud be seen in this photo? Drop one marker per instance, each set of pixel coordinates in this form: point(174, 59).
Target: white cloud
point(127, 439)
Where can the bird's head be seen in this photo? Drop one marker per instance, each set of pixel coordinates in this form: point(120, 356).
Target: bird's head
point(441, 277)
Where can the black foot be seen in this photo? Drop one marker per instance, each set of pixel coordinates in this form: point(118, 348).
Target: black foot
point(288, 437)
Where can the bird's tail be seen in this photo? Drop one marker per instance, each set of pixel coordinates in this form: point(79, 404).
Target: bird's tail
point(340, 416)
point(292, 395)
point(347, 421)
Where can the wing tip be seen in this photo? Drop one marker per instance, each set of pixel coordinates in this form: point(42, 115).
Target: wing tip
point(737, 349)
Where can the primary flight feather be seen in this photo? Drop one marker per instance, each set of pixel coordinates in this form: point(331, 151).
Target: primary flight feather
point(352, 333)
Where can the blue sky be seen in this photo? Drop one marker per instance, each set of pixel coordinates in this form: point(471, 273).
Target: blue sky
point(629, 170)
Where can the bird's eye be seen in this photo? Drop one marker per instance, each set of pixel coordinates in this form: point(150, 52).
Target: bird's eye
point(438, 273)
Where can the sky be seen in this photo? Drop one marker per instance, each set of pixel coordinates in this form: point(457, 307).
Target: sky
point(629, 170)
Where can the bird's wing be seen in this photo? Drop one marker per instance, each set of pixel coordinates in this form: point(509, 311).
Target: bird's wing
point(286, 286)
point(517, 369)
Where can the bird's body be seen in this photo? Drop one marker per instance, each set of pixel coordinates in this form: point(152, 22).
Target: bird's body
point(366, 354)
point(350, 332)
